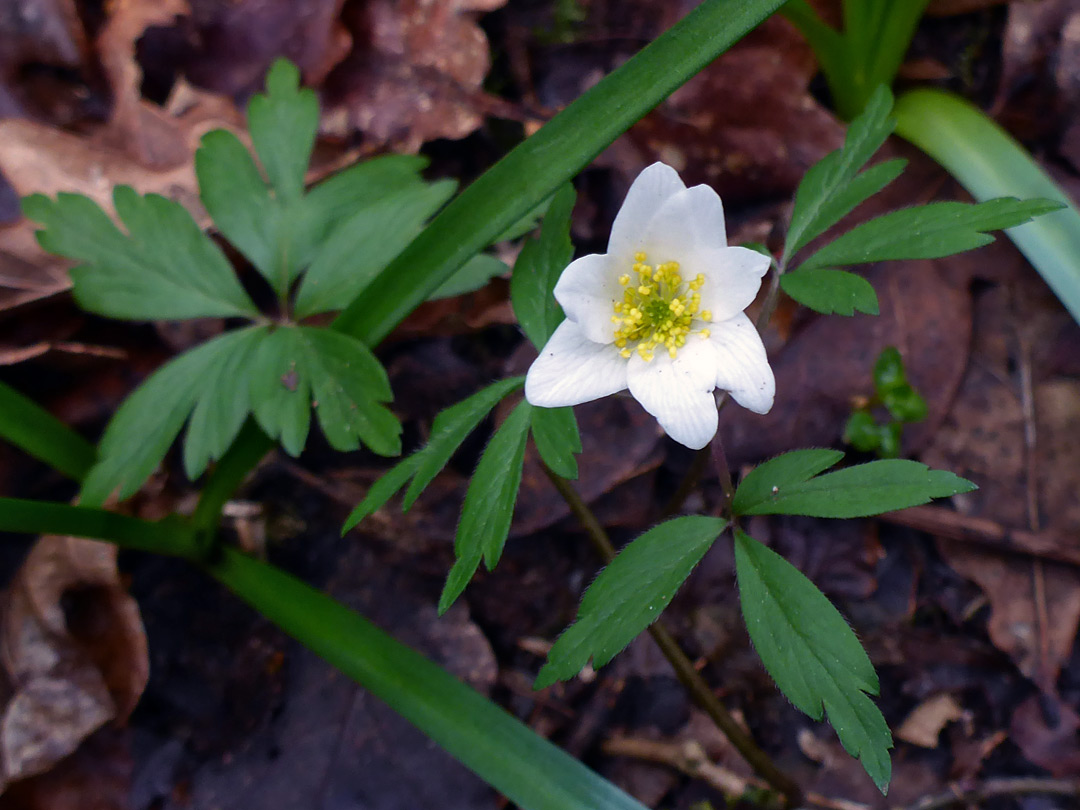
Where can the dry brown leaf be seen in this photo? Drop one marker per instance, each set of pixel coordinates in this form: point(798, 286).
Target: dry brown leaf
point(926, 721)
point(73, 651)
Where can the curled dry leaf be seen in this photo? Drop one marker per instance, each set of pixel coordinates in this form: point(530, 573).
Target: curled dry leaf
point(923, 726)
point(73, 654)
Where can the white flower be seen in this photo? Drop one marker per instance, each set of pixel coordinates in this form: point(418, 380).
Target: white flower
point(660, 313)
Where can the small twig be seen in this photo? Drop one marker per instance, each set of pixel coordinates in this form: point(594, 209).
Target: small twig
point(723, 472)
point(688, 676)
point(993, 788)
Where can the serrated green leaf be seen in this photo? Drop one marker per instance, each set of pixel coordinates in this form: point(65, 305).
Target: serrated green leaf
point(630, 594)
point(764, 481)
point(927, 231)
point(144, 427)
point(164, 268)
point(489, 503)
point(449, 430)
point(382, 490)
point(831, 292)
point(859, 491)
point(555, 432)
point(364, 243)
point(476, 273)
point(283, 122)
point(298, 368)
point(812, 654)
point(538, 268)
point(832, 187)
point(223, 403)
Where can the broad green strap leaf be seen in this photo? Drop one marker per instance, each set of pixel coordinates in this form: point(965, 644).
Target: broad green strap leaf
point(382, 490)
point(476, 273)
point(34, 430)
point(164, 268)
point(830, 188)
point(298, 368)
point(859, 491)
point(630, 594)
point(363, 244)
point(538, 268)
point(831, 292)
point(223, 403)
point(928, 231)
point(555, 432)
point(812, 653)
point(763, 482)
point(449, 430)
point(143, 428)
point(283, 122)
point(489, 503)
point(530, 771)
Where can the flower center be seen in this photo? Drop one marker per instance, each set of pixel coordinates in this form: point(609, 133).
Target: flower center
point(658, 309)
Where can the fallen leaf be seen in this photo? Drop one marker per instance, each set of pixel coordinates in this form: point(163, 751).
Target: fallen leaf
point(1046, 730)
point(924, 725)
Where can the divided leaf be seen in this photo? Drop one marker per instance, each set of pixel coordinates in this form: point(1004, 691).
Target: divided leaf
point(831, 187)
point(164, 268)
point(630, 594)
point(382, 490)
point(811, 653)
point(473, 275)
point(297, 368)
point(831, 292)
point(283, 122)
point(928, 231)
point(144, 427)
point(555, 432)
point(489, 504)
point(538, 268)
point(786, 486)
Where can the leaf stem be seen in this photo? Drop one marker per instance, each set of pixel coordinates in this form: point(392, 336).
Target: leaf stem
point(688, 676)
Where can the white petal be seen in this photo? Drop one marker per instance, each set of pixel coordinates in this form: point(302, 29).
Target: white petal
point(649, 192)
point(732, 278)
point(587, 291)
point(572, 369)
point(742, 365)
point(691, 220)
point(679, 392)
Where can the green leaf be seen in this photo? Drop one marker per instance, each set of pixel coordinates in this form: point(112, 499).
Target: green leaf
point(538, 268)
point(489, 503)
point(283, 122)
point(890, 440)
point(298, 368)
point(831, 291)
point(476, 273)
point(630, 594)
point(164, 268)
point(363, 244)
point(449, 430)
point(555, 432)
point(812, 653)
point(144, 427)
point(888, 370)
point(382, 490)
point(830, 189)
point(928, 231)
point(905, 404)
point(763, 482)
point(859, 491)
point(862, 432)
point(223, 403)
point(37, 432)
point(526, 224)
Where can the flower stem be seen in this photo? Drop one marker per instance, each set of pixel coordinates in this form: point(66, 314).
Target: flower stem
point(688, 676)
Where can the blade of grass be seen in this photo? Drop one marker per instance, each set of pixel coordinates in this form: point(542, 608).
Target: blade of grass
point(33, 429)
point(530, 771)
point(989, 163)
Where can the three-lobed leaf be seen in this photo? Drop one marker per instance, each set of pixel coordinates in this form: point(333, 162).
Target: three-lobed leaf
point(831, 292)
point(163, 268)
point(812, 653)
point(538, 267)
point(927, 231)
point(630, 594)
point(790, 485)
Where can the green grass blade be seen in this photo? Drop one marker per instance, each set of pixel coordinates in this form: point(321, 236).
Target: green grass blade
point(538, 166)
point(34, 430)
point(989, 163)
point(526, 768)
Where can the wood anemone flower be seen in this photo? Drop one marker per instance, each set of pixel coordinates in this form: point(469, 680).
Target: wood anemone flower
point(660, 313)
